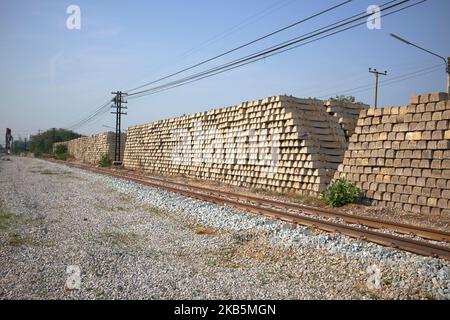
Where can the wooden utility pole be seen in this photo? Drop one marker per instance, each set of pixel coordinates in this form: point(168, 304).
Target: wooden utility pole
point(377, 74)
point(448, 75)
point(118, 105)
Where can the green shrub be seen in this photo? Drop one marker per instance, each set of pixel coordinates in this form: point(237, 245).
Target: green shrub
point(38, 154)
point(60, 152)
point(104, 161)
point(43, 143)
point(62, 156)
point(61, 149)
point(341, 192)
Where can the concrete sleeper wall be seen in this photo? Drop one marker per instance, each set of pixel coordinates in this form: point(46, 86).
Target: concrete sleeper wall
point(279, 143)
point(91, 149)
point(400, 156)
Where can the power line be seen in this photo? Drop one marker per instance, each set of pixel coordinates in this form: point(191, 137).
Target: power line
point(268, 52)
point(311, 88)
point(263, 54)
point(74, 124)
point(242, 46)
point(287, 45)
point(370, 85)
point(392, 80)
point(98, 112)
point(89, 119)
point(91, 124)
point(241, 25)
point(103, 109)
point(247, 21)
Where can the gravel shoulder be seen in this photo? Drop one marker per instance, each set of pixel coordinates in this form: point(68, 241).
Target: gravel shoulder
point(134, 242)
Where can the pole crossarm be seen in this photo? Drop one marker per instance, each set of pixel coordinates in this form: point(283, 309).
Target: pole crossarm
point(377, 74)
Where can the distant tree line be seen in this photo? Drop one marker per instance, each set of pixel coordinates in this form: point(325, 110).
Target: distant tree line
point(350, 99)
point(42, 143)
point(21, 145)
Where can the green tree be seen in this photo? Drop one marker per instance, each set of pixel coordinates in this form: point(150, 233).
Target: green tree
point(20, 145)
point(343, 98)
point(43, 143)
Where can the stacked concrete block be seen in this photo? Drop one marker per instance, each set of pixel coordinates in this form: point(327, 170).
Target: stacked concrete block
point(279, 143)
point(400, 156)
point(346, 114)
point(91, 149)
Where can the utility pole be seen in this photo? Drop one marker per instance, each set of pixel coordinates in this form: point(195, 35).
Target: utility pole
point(8, 141)
point(448, 75)
point(118, 105)
point(53, 135)
point(377, 74)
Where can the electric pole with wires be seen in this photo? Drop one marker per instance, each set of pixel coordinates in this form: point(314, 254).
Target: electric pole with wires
point(119, 106)
point(377, 74)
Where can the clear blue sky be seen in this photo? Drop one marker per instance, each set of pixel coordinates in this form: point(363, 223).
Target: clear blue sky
point(52, 76)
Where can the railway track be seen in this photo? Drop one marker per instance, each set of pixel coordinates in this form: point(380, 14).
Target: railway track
point(323, 219)
point(422, 232)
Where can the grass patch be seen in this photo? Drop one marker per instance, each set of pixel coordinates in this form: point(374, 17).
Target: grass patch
point(121, 240)
point(292, 196)
point(74, 177)
point(154, 210)
point(366, 293)
point(103, 207)
point(373, 296)
point(62, 157)
point(123, 209)
point(38, 167)
point(7, 219)
point(307, 200)
point(125, 198)
point(16, 240)
point(386, 282)
point(49, 172)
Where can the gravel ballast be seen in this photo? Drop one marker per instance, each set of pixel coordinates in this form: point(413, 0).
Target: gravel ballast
point(134, 242)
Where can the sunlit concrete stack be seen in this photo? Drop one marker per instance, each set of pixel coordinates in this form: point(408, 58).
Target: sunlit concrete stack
point(91, 149)
point(281, 143)
point(400, 156)
point(346, 114)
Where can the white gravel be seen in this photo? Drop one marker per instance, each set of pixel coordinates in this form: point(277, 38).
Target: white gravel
point(135, 242)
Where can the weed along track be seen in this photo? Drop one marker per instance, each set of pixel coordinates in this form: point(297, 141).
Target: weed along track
point(399, 236)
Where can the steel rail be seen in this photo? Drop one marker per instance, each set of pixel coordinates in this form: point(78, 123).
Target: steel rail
point(423, 232)
point(402, 228)
point(407, 244)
